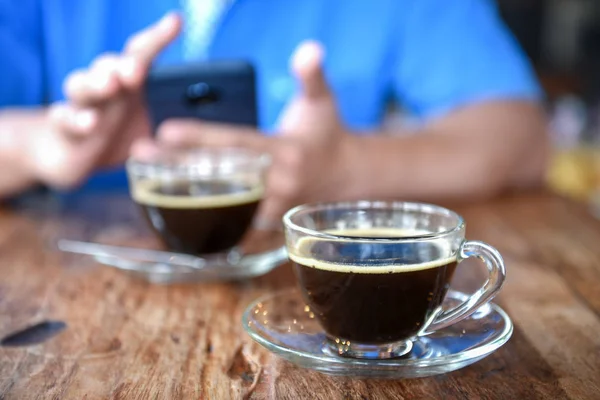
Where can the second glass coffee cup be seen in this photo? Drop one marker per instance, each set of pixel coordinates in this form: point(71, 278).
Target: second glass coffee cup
point(199, 201)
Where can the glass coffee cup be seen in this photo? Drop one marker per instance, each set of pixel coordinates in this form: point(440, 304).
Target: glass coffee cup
point(199, 201)
point(375, 274)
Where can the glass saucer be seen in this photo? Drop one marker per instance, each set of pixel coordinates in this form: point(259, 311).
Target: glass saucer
point(216, 268)
point(261, 252)
point(282, 323)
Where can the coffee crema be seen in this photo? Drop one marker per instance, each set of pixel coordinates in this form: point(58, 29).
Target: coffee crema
point(198, 217)
point(373, 292)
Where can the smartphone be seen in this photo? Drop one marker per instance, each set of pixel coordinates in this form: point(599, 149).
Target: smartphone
point(217, 91)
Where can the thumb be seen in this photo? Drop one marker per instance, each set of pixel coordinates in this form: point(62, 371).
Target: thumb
point(307, 66)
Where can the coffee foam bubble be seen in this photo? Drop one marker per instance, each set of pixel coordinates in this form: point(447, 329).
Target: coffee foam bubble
point(144, 192)
point(301, 255)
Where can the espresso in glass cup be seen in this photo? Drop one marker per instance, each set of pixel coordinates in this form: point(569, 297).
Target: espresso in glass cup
point(199, 201)
point(375, 274)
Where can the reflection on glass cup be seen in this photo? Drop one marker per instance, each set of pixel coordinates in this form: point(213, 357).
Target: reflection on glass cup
point(375, 274)
point(199, 201)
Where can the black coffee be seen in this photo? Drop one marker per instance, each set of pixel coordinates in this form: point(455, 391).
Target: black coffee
point(198, 217)
point(373, 293)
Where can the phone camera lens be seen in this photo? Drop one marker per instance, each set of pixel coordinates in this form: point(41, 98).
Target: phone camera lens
point(200, 93)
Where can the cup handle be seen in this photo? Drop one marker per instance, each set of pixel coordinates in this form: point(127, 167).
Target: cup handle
point(497, 273)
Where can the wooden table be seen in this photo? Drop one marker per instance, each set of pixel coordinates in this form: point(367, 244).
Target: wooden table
point(130, 339)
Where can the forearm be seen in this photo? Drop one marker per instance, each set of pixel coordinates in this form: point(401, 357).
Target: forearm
point(15, 127)
point(458, 158)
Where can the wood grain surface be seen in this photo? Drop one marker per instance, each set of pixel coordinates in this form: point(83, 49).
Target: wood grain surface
point(128, 339)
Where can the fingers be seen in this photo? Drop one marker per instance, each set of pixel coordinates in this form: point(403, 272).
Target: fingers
point(307, 65)
point(145, 45)
point(96, 85)
point(110, 73)
point(74, 121)
point(75, 83)
point(197, 133)
point(144, 149)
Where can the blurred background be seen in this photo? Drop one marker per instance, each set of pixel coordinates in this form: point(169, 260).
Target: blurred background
point(562, 38)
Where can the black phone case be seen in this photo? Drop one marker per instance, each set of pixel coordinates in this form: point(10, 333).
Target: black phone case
point(217, 91)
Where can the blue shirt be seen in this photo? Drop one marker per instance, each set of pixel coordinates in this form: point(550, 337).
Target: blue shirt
point(429, 55)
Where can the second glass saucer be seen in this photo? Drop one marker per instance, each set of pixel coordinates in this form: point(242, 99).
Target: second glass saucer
point(262, 252)
point(219, 268)
point(282, 323)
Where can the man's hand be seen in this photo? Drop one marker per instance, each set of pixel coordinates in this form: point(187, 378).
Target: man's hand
point(310, 153)
point(103, 113)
